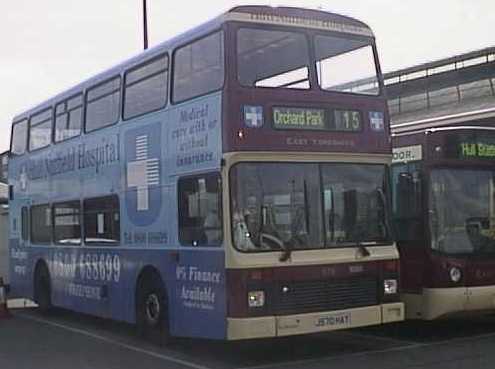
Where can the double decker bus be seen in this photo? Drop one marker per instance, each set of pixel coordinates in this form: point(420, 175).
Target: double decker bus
point(231, 183)
point(444, 213)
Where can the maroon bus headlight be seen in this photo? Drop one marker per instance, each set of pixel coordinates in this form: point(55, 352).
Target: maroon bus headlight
point(248, 292)
point(455, 274)
point(390, 286)
point(256, 299)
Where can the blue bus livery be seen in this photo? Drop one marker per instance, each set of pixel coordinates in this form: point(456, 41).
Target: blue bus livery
point(206, 188)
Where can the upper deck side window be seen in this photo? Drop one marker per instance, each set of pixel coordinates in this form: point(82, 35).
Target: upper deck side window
point(346, 65)
point(198, 68)
point(40, 129)
point(269, 58)
point(103, 105)
point(68, 118)
point(19, 137)
point(146, 87)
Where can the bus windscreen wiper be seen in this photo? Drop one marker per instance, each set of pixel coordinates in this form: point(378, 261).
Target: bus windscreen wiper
point(289, 246)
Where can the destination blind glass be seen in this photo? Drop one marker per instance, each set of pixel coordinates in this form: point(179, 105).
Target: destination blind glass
point(475, 145)
point(316, 119)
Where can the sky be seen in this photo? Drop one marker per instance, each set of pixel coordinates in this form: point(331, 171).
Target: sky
point(48, 46)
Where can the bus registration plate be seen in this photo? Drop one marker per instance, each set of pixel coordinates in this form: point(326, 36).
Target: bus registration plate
point(333, 320)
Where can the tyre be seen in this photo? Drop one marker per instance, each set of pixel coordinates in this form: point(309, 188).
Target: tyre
point(152, 310)
point(42, 289)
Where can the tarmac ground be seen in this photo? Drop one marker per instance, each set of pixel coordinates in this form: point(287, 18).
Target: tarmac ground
point(66, 340)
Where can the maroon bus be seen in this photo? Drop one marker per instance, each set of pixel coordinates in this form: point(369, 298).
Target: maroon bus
point(443, 183)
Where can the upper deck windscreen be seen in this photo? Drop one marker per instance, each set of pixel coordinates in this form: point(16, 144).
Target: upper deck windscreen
point(282, 59)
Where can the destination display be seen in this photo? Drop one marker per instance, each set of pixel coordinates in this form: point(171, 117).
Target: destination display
point(472, 146)
point(347, 120)
point(298, 118)
point(316, 119)
point(476, 150)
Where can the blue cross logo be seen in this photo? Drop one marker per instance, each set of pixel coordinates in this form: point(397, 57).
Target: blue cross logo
point(23, 178)
point(253, 116)
point(143, 172)
point(376, 120)
point(143, 154)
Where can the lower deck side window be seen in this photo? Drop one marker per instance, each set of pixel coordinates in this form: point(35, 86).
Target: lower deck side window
point(102, 220)
point(200, 210)
point(41, 224)
point(67, 223)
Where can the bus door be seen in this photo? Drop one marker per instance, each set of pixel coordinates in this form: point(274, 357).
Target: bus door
point(409, 226)
point(18, 246)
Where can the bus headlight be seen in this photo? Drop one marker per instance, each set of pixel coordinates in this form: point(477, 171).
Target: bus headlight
point(455, 274)
point(256, 299)
point(390, 286)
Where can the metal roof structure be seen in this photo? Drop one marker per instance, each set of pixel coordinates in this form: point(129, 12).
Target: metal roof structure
point(453, 90)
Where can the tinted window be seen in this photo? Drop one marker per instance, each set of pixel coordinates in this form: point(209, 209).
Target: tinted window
point(40, 130)
point(19, 138)
point(198, 68)
point(461, 212)
point(407, 201)
point(67, 223)
point(102, 105)
point(146, 88)
point(200, 215)
point(272, 58)
point(355, 203)
point(102, 220)
point(4, 166)
point(68, 118)
point(41, 224)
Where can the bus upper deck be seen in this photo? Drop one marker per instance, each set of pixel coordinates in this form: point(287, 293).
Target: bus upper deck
point(299, 62)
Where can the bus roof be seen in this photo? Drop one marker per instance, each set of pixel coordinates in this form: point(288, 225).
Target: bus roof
point(285, 16)
point(444, 129)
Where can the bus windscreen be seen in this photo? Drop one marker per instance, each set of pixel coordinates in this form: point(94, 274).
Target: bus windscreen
point(461, 216)
point(276, 206)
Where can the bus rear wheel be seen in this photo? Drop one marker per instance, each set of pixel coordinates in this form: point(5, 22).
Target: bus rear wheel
point(42, 289)
point(152, 311)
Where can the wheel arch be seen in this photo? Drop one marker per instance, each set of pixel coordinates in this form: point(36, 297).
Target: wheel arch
point(146, 274)
point(39, 264)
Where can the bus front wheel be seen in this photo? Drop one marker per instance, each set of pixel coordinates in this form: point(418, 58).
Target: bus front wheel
point(42, 289)
point(152, 310)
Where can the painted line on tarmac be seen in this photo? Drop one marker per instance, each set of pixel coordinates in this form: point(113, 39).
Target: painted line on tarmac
point(184, 363)
point(285, 364)
point(378, 338)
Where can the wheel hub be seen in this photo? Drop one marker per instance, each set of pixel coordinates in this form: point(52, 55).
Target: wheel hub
point(153, 309)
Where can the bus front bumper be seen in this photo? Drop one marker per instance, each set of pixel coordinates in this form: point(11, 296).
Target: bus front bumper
point(444, 302)
point(288, 325)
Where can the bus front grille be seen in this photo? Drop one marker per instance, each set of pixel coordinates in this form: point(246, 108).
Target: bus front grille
point(323, 295)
